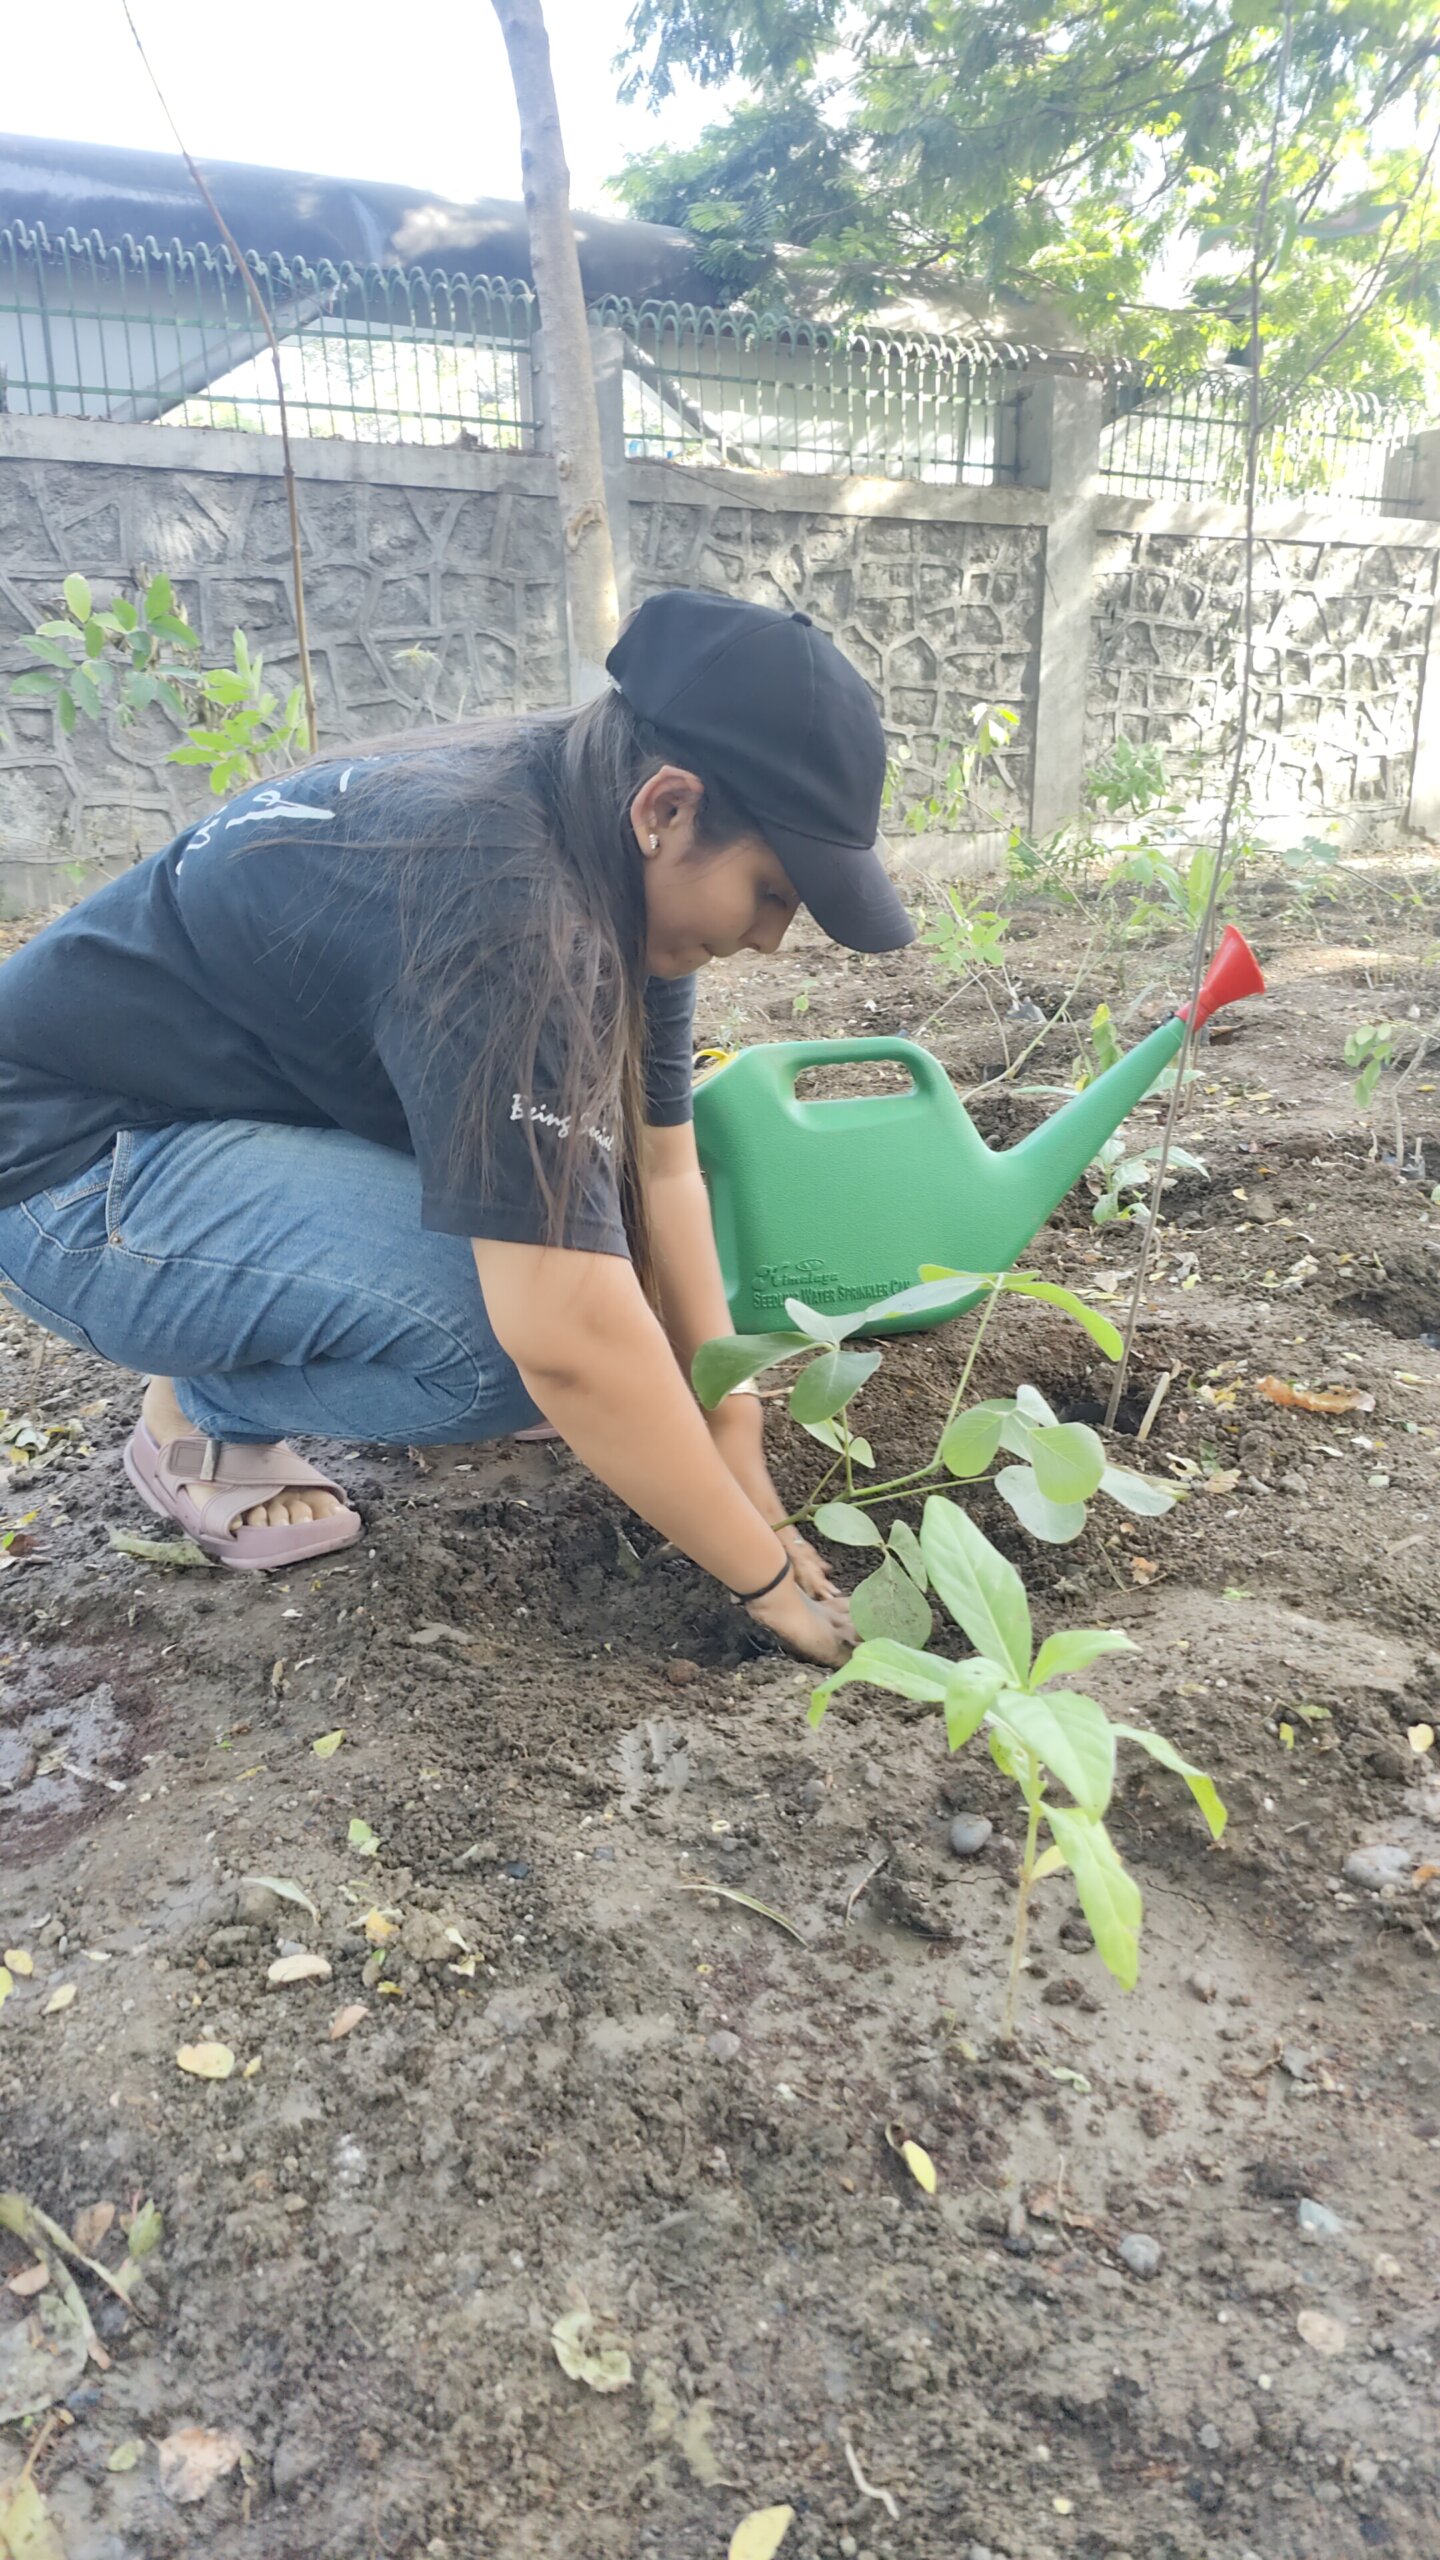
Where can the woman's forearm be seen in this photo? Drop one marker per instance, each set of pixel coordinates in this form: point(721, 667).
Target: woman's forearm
point(598, 1364)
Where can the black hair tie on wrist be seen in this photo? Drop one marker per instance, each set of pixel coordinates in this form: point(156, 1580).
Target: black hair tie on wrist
point(744, 1598)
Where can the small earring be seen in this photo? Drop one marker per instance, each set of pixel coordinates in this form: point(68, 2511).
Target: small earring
point(654, 844)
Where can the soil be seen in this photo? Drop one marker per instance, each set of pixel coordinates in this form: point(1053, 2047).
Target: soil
point(580, 2080)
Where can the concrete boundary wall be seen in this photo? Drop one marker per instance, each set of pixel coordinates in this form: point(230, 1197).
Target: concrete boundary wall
point(434, 588)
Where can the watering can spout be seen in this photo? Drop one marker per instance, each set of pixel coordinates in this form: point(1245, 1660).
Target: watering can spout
point(1234, 972)
point(1051, 1160)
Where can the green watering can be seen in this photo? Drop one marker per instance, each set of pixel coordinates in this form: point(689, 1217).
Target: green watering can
point(839, 1202)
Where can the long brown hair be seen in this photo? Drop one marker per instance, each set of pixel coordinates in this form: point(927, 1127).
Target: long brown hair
point(538, 936)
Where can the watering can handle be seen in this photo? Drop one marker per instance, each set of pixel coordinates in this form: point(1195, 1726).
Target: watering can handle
point(929, 1075)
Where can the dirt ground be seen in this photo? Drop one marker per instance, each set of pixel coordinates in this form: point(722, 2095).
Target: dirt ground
point(579, 2080)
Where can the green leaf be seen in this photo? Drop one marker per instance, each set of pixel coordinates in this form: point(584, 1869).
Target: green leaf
point(1074, 1649)
point(1101, 1331)
point(1056, 1523)
point(1004, 1753)
point(972, 1439)
point(53, 652)
point(94, 638)
point(1109, 1898)
point(76, 592)
point(830, 1436)
point(905, 1545)
point(1032, 1407)
point(362, 1838)
point(887, 1603)
point(147, 2230)
point(173, 626)
point(159, 598)
point(38, 680)
point(86, 692)
point(328, 1744)
point(932, 1293)
point(731, 1357)
point(65, 706)
point(1148, 1499)
point(125, 613)
point(882, 1664)
point(827, 1384)
point(983, 1593)
point(970, 1693)
point(849, 1526)
point(1201, 1787)
point(1068, 1459)
point(815, 1327)
point(1072, 1735)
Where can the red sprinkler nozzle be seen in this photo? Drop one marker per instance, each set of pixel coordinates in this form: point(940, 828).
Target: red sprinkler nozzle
point(1234, 972)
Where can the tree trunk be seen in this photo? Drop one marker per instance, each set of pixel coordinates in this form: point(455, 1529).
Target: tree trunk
point(589, 560)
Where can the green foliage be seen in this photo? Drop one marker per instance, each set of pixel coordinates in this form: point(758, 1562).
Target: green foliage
point(1103, 160)
point(1038, 1736)
point(966, 935)
point(1060, 1466)
point(1126, 1172)
point(128, 657)
point(948, 805)
point(1372, 1050)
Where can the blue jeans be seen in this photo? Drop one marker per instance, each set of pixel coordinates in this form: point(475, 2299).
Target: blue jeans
point(280, 1276)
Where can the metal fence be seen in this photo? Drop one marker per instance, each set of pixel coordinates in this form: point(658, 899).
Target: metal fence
point(1189, 439)
point(768, 393)
point(128, 331)
point(389, 355)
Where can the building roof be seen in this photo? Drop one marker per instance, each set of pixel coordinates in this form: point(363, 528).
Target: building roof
point(93, 186)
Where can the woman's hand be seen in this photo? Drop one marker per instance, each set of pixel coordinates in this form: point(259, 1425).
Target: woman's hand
point(818, 1630)
point(737, 1427)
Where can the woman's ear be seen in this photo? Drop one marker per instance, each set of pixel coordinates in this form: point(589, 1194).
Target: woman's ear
point(664, 809)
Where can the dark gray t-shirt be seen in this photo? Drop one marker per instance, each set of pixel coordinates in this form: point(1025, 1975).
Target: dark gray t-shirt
point(254, 970)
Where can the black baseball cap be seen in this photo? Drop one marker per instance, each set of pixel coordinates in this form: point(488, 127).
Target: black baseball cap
point(769, 706)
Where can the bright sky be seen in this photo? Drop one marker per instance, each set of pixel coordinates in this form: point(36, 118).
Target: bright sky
point(424, 99)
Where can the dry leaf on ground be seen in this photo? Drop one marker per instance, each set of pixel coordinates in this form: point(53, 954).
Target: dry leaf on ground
point(305, 1967)
point(19, 1962)
point(1421, 1737)
point(90, 2226)
point(329, 1743)
point(126, 2455)
point(206, 2061)
point(380, 1927)
point(588, 2355)
point(759, 2536)
point(192, 2459)
point(287, 1891)
point(1314, 1399)
point(60, 1998)
point(346, 2018)
point(29, 2280)
point(26, 2532)
point(1322, 2331)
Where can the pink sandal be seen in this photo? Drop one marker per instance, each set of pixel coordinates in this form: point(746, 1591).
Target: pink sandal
point(243, 1477)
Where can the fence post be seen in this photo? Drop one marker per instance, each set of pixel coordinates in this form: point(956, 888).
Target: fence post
point(1060, 420)
point(1421, 497)
point(1411, 486)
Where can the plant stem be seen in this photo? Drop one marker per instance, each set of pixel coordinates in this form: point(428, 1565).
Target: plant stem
point(1033, 1791)
point(986, 1312)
